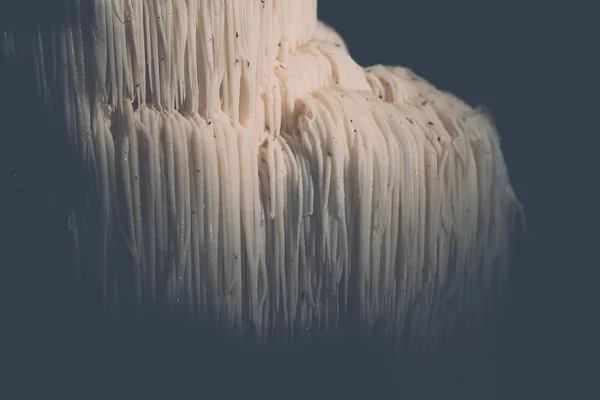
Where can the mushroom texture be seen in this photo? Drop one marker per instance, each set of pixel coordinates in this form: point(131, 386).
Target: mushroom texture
point(238, 168)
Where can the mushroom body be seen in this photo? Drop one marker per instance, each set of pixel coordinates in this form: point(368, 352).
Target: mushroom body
point(238, 168)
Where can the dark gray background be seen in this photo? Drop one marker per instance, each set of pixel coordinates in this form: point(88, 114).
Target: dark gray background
point(529, 62)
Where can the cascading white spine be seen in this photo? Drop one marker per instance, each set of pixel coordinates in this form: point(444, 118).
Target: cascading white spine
point(246, 172)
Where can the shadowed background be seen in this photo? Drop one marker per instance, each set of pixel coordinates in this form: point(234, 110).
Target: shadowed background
point(522, 63)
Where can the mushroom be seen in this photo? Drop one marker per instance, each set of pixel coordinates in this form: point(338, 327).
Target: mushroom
point(240, 169)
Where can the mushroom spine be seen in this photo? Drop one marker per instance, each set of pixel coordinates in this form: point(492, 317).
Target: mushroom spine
point(241, 169)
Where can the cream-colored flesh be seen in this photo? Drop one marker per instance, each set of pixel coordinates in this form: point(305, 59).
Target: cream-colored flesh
point(263, 182)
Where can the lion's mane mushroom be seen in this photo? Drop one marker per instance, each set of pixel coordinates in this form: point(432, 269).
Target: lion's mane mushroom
point(242, 170)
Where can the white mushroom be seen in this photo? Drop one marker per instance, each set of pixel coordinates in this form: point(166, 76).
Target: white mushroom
point(263, 182)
